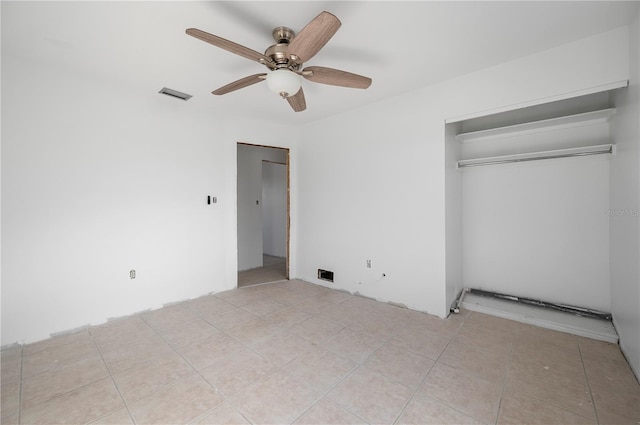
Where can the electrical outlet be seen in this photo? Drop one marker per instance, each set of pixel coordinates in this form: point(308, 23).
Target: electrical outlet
point(368, 264)
point(132, 274)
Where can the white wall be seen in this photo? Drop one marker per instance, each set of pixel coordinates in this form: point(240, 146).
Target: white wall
point(250, 235)
point(274, 209)
point(371, 187)
point(99, 178)
point(560, 73)
point(539, 230)
point(372, 181)
point(624, 211)
point(454, 227)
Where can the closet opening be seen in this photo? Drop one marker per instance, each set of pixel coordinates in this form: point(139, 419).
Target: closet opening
point(527, 201)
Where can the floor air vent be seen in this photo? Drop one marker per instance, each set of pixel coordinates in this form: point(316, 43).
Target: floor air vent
point(325, 275)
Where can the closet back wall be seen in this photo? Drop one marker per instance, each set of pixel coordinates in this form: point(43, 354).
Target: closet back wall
point(540, 230)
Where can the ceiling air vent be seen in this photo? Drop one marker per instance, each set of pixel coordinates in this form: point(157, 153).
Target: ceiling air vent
point(175, 93)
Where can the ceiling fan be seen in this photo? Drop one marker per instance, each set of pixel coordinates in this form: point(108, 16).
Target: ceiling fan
point(285, 58)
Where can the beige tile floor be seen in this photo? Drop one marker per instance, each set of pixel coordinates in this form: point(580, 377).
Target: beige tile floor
point(293, 352)
point(273, 269)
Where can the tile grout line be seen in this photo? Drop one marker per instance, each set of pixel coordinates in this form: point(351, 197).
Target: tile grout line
point(335, 385)
point(564, 408)
point(197, 372)
point(281, 368)
point(262, 378)
point(326, 392)
point(167, 385)
point(179, 355)
point(415, 391)
point(320, 395)
point(20, 390)
point(225, 397)
point(506, 379)
point(20, 395)
point(558, 406)
point(586, 377)
point(43, 372)
point(362, 363)
point(115, 384)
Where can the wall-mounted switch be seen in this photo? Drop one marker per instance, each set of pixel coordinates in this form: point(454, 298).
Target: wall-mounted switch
point(211, 200)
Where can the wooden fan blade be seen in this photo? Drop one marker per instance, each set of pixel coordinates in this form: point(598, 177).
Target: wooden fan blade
point(313, 37)
point(297, 101)
point(335, 77)
point(241, 83)
point(227, 45)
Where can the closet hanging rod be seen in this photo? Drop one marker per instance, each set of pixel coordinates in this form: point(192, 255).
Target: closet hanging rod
point(563, 153)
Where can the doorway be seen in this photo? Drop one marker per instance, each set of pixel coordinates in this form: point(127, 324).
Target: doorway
point(262, 214)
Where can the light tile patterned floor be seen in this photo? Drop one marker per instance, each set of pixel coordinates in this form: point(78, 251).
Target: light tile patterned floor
point(293, 352)
point(274, 269)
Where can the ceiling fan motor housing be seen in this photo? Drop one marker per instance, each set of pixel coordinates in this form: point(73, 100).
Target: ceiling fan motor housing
point(278, 52)
point(283, 35)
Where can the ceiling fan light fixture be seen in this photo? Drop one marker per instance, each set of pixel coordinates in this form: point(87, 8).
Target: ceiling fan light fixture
point(284, 82)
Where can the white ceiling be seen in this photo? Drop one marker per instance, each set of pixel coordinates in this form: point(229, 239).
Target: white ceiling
point(400, 45)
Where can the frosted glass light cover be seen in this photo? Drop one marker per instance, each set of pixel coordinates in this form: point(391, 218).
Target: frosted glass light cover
point(283, 82)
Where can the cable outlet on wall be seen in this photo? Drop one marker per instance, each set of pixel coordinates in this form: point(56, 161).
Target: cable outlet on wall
point(368, 264)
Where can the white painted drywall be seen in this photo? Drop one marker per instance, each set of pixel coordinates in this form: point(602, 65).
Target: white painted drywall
point(250, 235)
point(372, 181)
point(99, 178)
point(555, 74)
point(453, 215)
point(624, 210)
point(371, 188)
point(539, 230)
point(274, 208)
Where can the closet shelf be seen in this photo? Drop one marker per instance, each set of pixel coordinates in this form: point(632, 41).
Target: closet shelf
point(568, 121)
point(533, 156)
